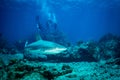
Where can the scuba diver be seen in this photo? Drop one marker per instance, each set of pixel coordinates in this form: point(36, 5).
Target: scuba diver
point(49, 31)
point(51, 22)
point(39, 25)
point(41, 30)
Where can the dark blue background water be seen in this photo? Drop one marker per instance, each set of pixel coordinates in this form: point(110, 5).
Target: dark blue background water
point(78, 20)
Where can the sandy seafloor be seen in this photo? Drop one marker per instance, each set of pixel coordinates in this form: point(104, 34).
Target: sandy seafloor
point(35, 70)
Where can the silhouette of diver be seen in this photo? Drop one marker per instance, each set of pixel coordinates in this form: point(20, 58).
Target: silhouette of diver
point(39, 25)
point(51, 22)
point(41, 33)
point(49, 31)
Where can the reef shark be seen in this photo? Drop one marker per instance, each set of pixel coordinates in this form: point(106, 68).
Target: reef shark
point(44, 47)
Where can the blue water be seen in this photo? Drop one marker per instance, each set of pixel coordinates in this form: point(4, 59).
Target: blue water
point(76, 19)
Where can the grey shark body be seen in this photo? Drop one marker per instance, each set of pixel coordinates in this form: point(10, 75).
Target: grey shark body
point(44, 47)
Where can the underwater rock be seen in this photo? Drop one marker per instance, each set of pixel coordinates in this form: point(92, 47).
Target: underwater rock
point(4, 51)
point(34, 76)
point(6, 58)
point(110, 46)
point(64, 67)
point(83, 51)
point(26, 69)
point(113, 61)
point(53, 71)
point(1, 63)
point(108, 37)
point(20, 44)
point(3, 74)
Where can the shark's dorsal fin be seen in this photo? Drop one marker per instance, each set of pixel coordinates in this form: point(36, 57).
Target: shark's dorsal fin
point(38, 37)
point(26, 43)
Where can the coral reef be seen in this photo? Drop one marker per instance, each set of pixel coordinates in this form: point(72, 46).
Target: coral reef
point(6, 58)
point(23, 69)
point(6, 47)
point(89, 60)
point(110, 46)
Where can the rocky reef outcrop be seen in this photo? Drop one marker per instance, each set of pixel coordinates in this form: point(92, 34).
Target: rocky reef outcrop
point(108, 47)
